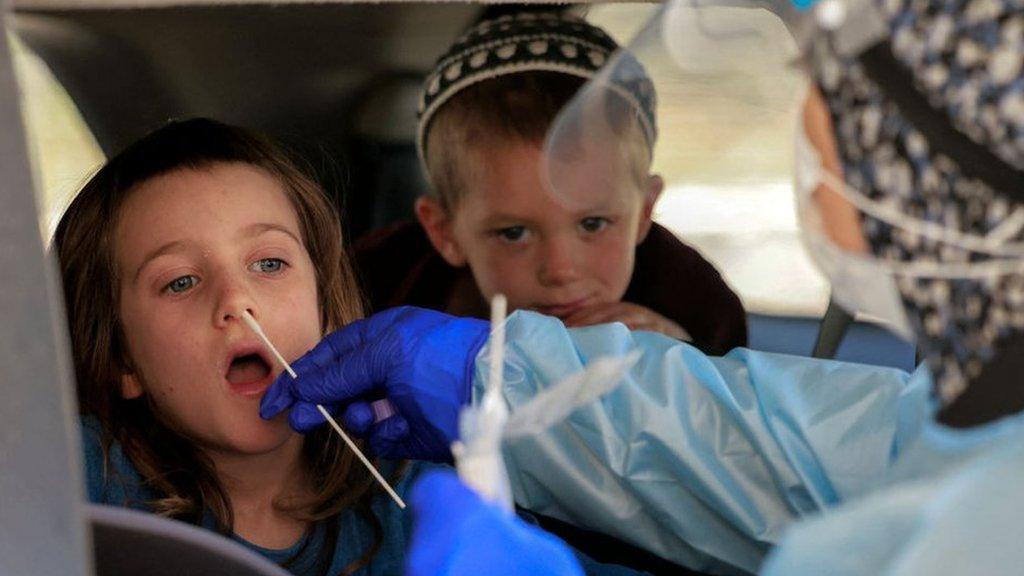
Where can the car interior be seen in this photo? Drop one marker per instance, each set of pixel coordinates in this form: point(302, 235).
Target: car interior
point(338, 84)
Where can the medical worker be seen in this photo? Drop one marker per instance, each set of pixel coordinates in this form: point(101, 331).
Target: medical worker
point(915, 145)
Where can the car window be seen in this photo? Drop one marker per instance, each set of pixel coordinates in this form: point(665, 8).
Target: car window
point(62, 149)
point(749, 232)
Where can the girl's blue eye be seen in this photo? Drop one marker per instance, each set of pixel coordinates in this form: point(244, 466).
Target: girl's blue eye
point(513, 233)
point(269, 265)
point(179, 285)
point(593, 224)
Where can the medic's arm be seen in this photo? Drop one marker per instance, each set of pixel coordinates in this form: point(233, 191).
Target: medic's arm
point(700, 460)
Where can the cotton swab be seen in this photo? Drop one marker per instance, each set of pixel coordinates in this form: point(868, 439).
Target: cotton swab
point(384, 483)
point(499, 311)
point(251, 322)
point(478, 457)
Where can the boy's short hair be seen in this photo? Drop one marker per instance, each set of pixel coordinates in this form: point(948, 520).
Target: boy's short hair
point(508, 79)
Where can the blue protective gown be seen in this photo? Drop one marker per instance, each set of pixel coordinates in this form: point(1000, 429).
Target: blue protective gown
point(705, 461)
point(964, 520)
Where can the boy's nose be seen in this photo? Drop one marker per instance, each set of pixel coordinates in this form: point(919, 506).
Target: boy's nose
point(558, 265)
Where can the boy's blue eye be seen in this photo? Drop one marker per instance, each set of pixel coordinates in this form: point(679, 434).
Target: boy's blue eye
point(593, 224)
point(179, 285)
point(513, 233)
point(268, 265)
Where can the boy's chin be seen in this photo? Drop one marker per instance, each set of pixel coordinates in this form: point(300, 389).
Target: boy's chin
point(564, 311)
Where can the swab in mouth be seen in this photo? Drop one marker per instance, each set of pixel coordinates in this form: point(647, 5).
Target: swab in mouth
point(251, 322)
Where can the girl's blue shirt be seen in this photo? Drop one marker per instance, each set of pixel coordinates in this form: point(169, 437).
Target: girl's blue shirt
point(119, 484)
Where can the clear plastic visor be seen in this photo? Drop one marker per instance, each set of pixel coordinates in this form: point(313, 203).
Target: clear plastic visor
point(727, 82)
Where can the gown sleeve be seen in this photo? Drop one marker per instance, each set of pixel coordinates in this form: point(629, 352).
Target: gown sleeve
point(700, 460)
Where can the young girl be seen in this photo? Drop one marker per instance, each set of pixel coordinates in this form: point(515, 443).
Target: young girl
point(161, 252)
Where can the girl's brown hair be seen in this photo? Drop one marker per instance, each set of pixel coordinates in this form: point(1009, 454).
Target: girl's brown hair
point(169, 464)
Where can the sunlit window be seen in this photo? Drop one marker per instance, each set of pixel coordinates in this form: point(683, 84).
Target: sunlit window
point(746, 226)
point(61, 147)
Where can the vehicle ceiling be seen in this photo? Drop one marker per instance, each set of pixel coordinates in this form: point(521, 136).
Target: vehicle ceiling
point(336, 81)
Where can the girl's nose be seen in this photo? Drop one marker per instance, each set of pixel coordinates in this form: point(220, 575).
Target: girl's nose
point(558, 262)
point(235, 298)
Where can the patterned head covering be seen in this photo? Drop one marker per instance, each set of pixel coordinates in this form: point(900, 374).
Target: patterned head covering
point(931, 120)
point(527, 42)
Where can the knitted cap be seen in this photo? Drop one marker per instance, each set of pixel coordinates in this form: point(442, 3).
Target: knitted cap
point(527, 42)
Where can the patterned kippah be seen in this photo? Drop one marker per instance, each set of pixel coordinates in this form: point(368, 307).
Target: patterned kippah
point(527, 42)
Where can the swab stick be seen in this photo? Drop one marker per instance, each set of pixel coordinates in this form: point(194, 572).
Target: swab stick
point(499, 310)
point(251, 322)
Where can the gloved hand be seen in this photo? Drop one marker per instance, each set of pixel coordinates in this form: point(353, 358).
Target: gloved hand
point(455, 533)
point(420, 360)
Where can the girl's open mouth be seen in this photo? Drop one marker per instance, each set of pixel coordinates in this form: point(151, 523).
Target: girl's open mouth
point(248, 374)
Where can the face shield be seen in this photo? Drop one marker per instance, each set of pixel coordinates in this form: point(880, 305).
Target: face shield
point(721, 84)
point(910, 225)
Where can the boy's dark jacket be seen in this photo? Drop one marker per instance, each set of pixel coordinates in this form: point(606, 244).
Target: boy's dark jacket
point(397, 265)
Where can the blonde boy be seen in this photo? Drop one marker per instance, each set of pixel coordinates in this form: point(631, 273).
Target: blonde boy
point(498, 225)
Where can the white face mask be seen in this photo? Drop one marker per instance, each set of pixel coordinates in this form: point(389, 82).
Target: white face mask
point(860, 283)
point(867, 284)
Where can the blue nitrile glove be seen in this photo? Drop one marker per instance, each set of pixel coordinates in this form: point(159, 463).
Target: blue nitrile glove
point(420, 360)
point(455, 533)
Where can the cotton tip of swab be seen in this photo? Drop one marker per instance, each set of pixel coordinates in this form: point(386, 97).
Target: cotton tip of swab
point(251, 322)
point(499, 309)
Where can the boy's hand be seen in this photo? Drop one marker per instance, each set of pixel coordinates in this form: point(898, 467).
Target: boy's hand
point(634, 316)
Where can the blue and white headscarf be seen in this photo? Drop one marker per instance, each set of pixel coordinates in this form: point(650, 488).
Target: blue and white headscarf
point(933, 121)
